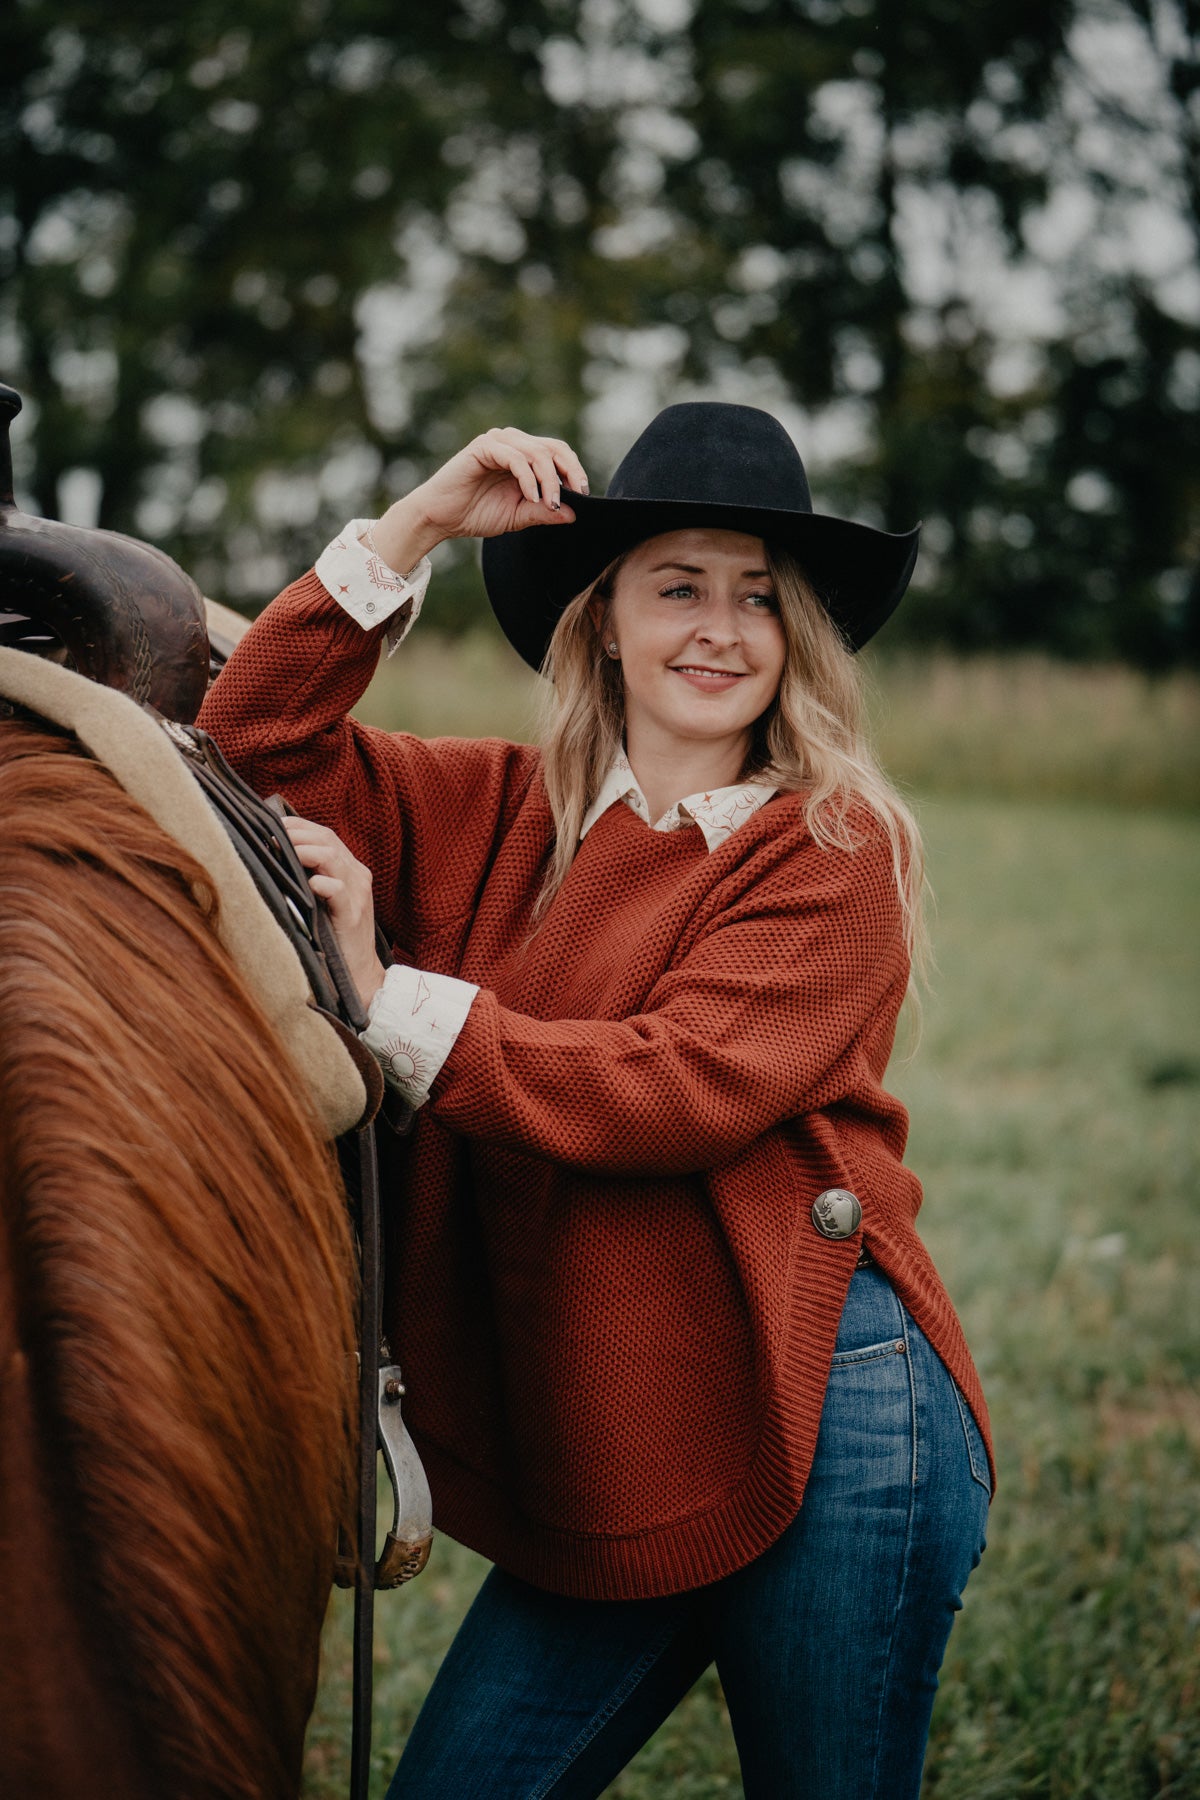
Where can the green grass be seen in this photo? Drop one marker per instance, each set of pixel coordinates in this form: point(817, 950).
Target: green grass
point(1055, 1096)
point(1054, 1104)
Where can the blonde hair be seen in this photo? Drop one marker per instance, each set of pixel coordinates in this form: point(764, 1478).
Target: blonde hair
point(811, 740)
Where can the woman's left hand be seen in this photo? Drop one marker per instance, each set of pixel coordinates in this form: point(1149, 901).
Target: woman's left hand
point(345, 886)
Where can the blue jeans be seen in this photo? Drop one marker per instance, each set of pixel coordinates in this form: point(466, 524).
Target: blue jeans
point(827, 1646)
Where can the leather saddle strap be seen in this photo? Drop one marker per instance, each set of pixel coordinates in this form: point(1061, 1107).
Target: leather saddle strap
point(253, 826)
point(370, 1298)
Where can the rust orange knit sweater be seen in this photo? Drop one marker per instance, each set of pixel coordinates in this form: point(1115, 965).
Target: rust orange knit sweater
point(613, 1310)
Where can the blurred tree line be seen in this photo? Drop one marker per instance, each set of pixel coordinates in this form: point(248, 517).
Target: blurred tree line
point(264, 261)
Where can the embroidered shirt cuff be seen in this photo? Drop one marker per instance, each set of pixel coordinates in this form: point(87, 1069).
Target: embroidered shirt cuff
point(365, 587)
point(413, 1023)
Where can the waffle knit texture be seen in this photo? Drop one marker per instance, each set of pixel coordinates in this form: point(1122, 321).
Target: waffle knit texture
point(613, 1310)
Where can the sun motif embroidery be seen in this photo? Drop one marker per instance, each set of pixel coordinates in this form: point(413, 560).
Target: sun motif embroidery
point(404, 1062)
point(380, 576)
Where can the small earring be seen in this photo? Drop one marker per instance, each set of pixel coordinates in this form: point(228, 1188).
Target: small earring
point(611, 647)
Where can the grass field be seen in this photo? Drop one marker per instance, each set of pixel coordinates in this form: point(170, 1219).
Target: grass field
point(1055, 1097)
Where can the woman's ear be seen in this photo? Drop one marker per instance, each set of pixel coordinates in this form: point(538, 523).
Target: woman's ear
point(597, 613)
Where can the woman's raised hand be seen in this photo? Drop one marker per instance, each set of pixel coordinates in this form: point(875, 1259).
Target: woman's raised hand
point(504, 480)
point(344, 884)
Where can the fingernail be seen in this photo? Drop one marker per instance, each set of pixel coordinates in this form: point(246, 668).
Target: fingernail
point(555, 506)
point(584, 488)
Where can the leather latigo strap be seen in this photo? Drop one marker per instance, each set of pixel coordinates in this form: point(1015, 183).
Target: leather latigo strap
point(253, 827)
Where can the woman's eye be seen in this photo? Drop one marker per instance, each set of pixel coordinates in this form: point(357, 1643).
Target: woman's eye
point(682, 590)
point(766, 601)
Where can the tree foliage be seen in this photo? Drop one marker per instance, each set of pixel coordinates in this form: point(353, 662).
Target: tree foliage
point(262, 263)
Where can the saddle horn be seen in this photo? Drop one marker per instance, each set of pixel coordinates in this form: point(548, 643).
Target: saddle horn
point(126, 614)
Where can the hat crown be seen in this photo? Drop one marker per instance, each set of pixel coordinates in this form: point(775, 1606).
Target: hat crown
point(711, 452)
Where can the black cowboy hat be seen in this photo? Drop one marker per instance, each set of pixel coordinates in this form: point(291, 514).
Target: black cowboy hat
point(701, 463)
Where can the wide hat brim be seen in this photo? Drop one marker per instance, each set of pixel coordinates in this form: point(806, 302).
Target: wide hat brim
point(859, 573)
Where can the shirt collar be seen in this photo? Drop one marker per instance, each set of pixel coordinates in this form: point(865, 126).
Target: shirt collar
point(718, 812)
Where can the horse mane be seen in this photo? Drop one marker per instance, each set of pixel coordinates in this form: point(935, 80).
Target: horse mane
point(176, 1338)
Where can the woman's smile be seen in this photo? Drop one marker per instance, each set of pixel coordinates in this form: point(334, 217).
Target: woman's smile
point(712, 680)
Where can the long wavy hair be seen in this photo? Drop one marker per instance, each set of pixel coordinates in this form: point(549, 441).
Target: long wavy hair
point(812, 739)
point(176, 1321)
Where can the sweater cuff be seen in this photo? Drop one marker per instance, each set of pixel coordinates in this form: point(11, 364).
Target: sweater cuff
point(365, 587)
point(412, 1025)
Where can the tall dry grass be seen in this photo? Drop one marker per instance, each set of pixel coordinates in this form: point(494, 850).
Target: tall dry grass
point(1029, 727)
point(1022, 726)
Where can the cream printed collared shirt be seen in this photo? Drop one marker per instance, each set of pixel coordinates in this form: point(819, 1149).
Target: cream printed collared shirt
point(415, 1017)
point(718, 813)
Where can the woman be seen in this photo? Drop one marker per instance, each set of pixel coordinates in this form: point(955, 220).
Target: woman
point(677, 1361)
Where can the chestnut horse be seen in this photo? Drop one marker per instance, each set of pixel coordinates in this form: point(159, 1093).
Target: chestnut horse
point(176, 1333)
